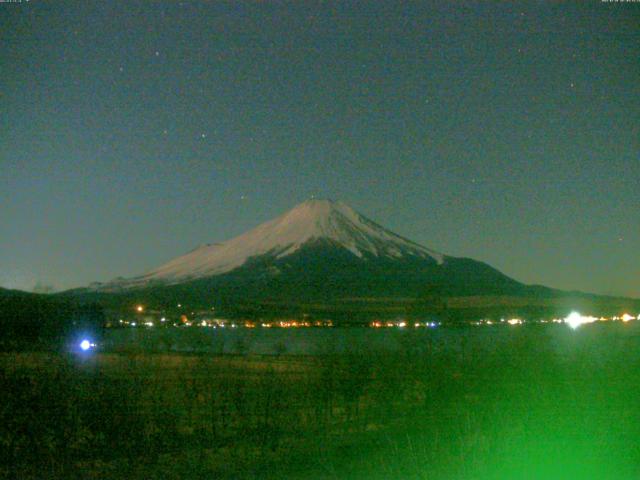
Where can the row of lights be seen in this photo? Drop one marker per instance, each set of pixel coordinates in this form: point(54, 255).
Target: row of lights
point(221, 323)
point(511, 321)
point(574, 320)
point(402, 324)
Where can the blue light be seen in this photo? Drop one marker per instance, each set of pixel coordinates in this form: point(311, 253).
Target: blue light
point(85, 345)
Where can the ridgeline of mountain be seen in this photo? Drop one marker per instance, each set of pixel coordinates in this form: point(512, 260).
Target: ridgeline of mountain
point(323, 255)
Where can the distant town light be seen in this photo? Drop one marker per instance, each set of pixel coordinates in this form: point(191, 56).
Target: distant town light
point(627, 318)
point(140, 308)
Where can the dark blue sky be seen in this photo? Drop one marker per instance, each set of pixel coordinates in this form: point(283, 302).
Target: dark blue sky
point(506, 132)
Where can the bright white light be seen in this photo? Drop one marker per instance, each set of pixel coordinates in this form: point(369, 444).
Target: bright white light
point(574, 320)
point(627, 318)
point(85, 345)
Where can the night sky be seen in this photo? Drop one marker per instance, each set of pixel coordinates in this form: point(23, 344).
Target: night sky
point(133, 131)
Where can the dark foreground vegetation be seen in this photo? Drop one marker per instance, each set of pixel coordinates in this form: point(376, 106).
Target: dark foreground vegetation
point(547, 404)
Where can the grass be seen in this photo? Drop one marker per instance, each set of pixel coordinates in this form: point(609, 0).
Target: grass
point(547, 404)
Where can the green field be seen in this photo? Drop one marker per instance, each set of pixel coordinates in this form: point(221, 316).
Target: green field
point(538, 406)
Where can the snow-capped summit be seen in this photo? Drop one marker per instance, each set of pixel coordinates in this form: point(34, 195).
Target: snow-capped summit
point(332, 222)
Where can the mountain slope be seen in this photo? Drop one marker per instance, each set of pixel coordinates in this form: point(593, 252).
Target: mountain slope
point(332, 222)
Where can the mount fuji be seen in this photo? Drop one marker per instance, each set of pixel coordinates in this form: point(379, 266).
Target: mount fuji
point(312, 223)
point(318, 250)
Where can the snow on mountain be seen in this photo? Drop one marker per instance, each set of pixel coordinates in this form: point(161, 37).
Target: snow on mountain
point(309, 221)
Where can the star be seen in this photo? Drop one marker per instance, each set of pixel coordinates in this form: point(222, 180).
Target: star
point(157, 53)
point(203, 135)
